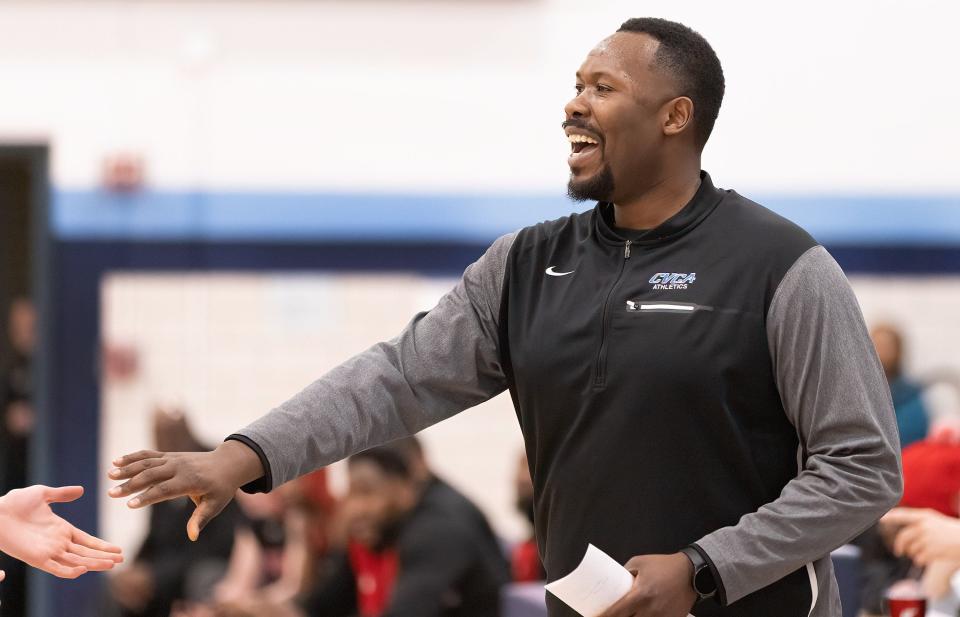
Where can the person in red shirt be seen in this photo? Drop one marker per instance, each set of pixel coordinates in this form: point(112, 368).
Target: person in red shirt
point(411, 551)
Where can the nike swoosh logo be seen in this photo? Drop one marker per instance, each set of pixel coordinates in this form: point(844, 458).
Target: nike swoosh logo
point(551, 272)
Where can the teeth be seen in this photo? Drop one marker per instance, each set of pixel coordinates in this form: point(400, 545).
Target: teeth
point(581, 139)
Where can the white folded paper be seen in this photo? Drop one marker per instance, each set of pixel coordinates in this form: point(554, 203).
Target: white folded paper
point(594, 585)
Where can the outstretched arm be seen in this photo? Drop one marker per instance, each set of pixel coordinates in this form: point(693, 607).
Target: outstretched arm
point(31, 532)
point(446, 360)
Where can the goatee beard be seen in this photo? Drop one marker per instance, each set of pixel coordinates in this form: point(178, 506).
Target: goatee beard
point(598, 187)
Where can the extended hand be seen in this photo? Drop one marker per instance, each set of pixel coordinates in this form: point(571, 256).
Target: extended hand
point(210, 479)
point(662, 587)
point(31, 532)
point(924, 535)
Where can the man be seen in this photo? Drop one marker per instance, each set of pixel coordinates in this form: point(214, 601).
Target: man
point(692, 374)
point(413, 551)
point(445, 495)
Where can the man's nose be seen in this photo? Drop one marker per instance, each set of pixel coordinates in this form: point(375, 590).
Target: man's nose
point(576, 108)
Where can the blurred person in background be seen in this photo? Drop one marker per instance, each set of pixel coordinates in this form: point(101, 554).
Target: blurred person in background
point(168, 567)
point(525, 563)
point(411, 550)
point(441, 491)
point(273, 554)
point(691, 423)
point(16, 426)
point(913, 418)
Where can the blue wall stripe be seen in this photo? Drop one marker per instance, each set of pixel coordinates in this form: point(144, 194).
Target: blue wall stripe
point(284, 216)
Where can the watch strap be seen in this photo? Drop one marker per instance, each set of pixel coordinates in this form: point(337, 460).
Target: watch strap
point(703, 580)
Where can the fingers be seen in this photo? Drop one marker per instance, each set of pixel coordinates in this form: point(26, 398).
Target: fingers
point(83, 551)
point(3, 575)
point(906, 540)
point(164, 491)
point(62, 494)
point(904, 516)
point(205, 511)
point(131, 470)
point(136, 456)
point(84, 539)
point(58, 569)
point(89, 564)
point(633, 565)
point(143, 480)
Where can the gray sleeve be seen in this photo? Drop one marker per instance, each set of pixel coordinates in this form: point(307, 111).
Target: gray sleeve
point(835, 394)
point(445, 360)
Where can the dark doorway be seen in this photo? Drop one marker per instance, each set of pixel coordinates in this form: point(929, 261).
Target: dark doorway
point(23, 212)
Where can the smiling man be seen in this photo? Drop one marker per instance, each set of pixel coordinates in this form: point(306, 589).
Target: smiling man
point(696, 388)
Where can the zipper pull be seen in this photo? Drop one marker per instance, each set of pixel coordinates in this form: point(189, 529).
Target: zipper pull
point(626, 250)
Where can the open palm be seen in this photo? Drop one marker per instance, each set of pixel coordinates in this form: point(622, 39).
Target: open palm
point(31, 532)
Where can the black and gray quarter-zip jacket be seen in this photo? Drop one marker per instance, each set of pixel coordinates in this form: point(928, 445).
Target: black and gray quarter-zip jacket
point(709, 383)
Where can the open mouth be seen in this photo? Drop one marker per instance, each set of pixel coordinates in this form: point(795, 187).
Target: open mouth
point(581, 146)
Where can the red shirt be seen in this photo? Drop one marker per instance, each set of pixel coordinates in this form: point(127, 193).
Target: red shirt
point(375, 574)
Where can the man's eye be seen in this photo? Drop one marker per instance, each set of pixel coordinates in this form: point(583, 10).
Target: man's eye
point(579, 88)
point(604, 88)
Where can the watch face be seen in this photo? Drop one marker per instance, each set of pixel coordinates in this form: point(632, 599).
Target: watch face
point(703, 581)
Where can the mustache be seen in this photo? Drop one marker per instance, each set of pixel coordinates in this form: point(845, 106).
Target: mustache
point(580, 124)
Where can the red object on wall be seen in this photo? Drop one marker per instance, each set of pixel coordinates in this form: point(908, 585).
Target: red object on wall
point(123, 172)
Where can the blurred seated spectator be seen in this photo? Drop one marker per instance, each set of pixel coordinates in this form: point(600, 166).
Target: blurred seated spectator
point(525, 561)
point(410, 549)
point(441, 491)
point(286, 534)
point(168, 567)
point(912, 416)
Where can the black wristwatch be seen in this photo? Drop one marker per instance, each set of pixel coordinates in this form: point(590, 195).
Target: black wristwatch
point(704, 583)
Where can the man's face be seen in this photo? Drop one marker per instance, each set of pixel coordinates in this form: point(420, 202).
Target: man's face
point(377, 501)
point(615, 121)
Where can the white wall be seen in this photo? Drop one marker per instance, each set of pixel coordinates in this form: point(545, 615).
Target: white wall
point(822, 95)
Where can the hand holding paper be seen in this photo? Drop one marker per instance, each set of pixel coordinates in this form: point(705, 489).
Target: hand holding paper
point(601, 587)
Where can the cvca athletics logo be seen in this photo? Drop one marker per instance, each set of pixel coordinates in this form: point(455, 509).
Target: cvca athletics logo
point(672, 280)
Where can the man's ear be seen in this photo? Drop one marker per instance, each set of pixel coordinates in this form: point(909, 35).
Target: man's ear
point(677, 115)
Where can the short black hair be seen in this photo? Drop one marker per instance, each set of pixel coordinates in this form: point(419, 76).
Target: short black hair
point(389, 460)
point(686, 56)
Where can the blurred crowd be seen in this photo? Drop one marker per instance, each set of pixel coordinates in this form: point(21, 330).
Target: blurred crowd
point(404, 542)
point(401, 541)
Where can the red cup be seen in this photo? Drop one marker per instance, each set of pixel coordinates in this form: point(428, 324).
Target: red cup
point(906, 599)
point(916, 607)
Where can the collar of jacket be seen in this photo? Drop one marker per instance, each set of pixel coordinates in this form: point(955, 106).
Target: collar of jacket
point(704, 201)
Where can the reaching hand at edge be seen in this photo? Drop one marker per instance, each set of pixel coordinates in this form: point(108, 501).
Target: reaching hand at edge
point(210, 479)
point(923, 535)
point(32, 533)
